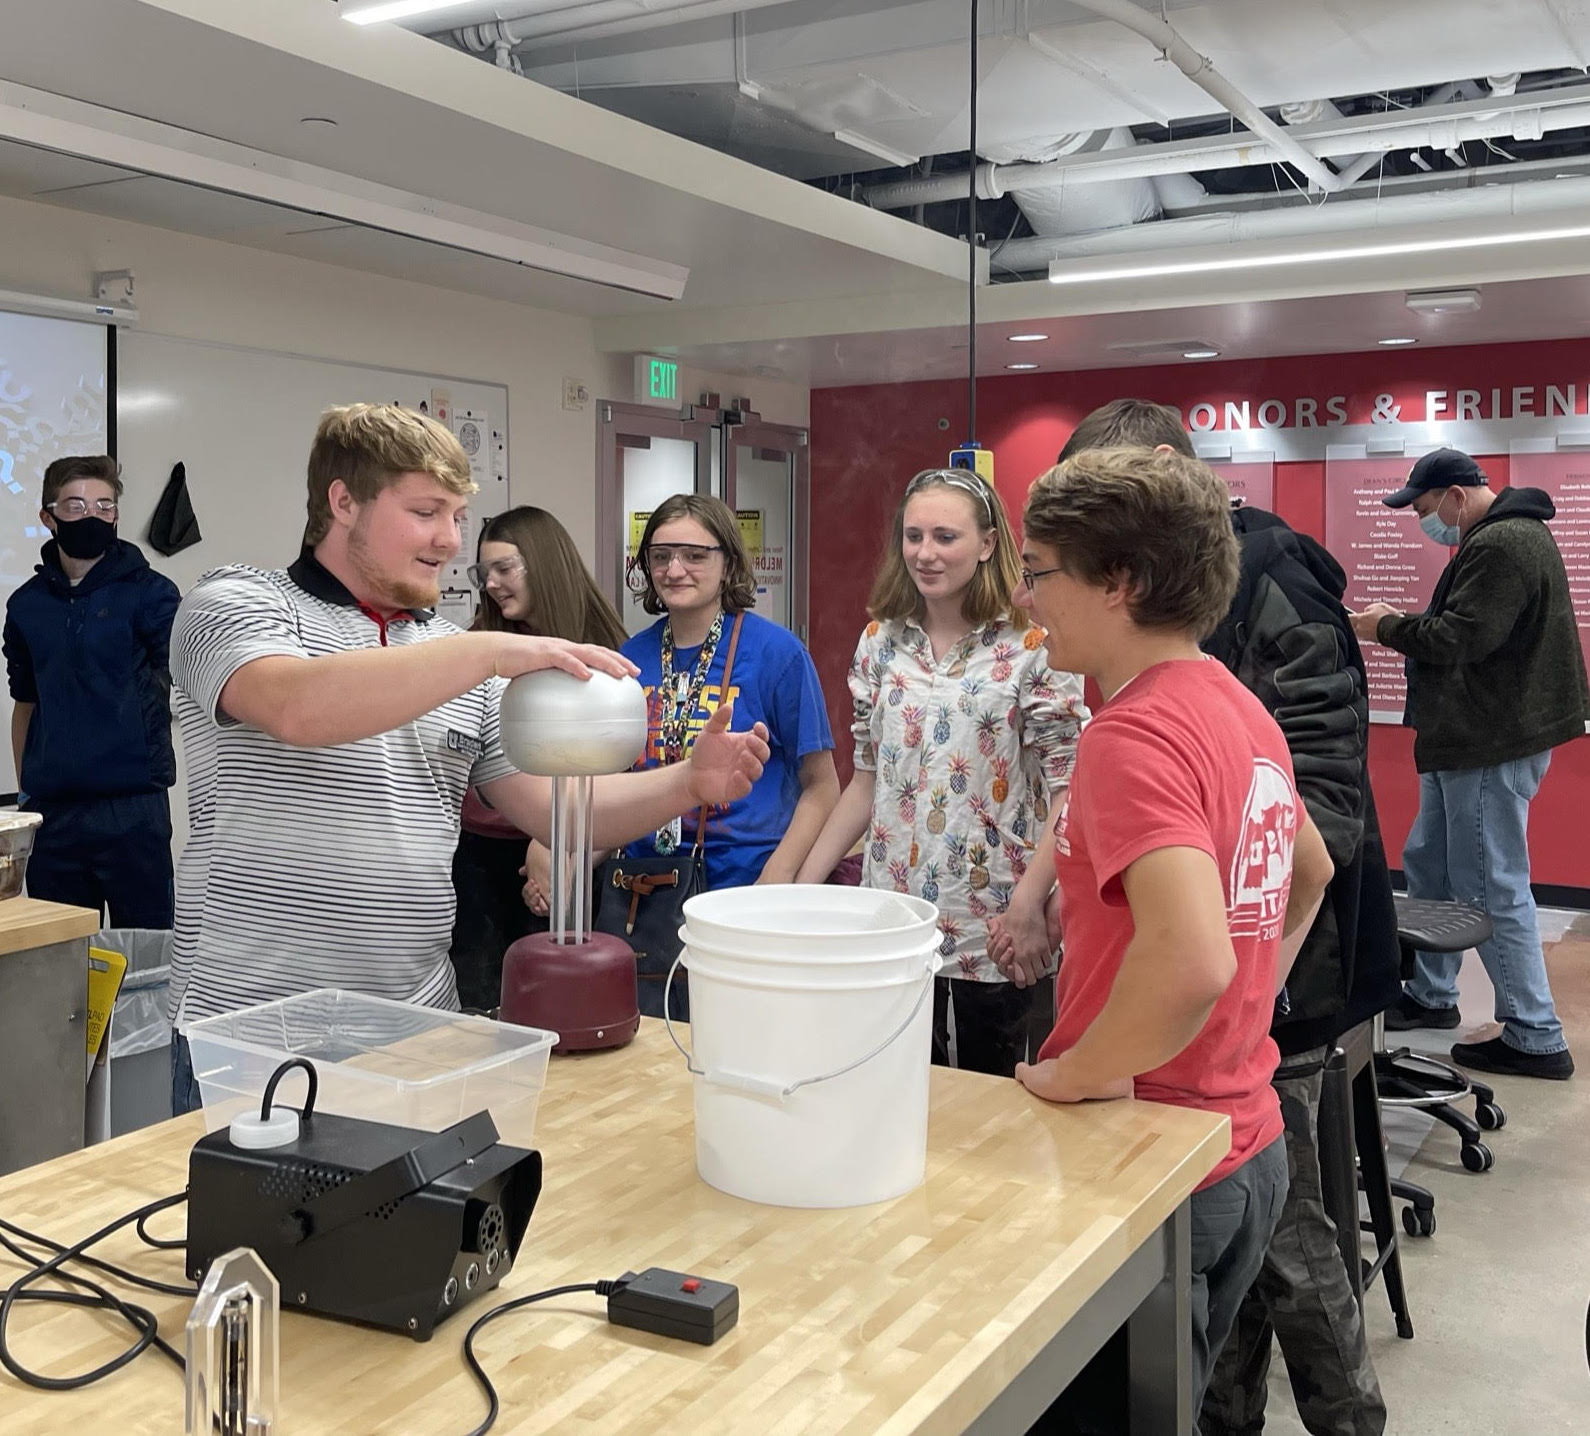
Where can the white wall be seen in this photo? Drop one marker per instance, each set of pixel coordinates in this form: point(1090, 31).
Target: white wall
point(204, 289)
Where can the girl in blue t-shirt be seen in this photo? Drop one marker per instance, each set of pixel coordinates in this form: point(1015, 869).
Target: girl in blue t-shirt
point(693, 568)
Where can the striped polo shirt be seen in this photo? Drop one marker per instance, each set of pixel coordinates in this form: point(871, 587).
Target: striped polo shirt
point(314, 867)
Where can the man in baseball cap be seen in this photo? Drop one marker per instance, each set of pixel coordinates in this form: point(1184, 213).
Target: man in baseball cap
point(1496, 680)
point(1437, 471)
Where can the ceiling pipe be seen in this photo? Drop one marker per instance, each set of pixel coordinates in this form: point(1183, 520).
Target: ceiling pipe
point(1436, 128)
point(1201, 71)
point(1358, 216)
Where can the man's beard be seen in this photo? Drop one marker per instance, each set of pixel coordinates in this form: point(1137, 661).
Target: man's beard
point(391, 592)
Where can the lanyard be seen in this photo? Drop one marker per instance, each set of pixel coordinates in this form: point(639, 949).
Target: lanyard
point(681, 699)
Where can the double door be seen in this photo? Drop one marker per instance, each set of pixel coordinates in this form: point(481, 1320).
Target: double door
point(760, 470)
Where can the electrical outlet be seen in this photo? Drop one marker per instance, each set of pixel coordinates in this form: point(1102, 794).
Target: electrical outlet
point(575, 394)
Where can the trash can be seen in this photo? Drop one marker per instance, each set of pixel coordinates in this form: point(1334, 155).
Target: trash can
point(136, 1080)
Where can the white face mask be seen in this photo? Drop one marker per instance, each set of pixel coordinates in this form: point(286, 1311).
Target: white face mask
point(1437, 531)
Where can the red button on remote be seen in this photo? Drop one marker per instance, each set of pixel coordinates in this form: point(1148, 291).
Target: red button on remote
point(690, 1284)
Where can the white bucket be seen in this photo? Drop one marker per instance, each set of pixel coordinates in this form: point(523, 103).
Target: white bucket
point(811, 1022)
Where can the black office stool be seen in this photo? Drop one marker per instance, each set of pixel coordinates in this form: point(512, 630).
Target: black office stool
point(1407, 1079)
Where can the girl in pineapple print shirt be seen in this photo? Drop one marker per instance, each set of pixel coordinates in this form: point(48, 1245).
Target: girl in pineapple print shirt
point(964, 744)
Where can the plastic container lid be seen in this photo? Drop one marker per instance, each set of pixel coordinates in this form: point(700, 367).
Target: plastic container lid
point(12, 822)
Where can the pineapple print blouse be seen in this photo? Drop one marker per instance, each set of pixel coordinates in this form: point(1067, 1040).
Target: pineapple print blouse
point(967, 753)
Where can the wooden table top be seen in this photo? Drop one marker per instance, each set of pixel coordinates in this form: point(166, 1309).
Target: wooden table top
point(28, 923)
point(907, 1316)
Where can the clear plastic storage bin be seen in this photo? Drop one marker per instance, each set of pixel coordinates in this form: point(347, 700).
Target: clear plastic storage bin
point(384, 1061)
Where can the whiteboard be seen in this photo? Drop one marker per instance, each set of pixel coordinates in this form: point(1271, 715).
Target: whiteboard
point(242, 420)
point(52, 404)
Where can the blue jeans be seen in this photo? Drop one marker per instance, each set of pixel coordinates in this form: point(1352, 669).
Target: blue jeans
point(184, 1086)
point(1470, 843)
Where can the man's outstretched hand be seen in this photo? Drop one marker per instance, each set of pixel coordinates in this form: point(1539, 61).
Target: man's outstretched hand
point(723, 765)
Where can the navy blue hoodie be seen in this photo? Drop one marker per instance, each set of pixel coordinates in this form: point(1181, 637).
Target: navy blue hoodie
point(95, 659)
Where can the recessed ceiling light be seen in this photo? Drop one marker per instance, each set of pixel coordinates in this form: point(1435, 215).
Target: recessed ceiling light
point(325, 120)
point(1395, 343)
point(1021, 366)
point(1200, 354)
point(1025, 338)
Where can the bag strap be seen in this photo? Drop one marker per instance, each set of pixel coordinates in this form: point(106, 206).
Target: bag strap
point(728, 671)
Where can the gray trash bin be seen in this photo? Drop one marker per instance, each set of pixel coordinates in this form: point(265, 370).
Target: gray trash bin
point(139, 1070)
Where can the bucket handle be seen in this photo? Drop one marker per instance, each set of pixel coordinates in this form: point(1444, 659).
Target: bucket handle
point(769, 1086)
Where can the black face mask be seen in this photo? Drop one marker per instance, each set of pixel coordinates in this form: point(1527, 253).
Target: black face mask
point(86, 537)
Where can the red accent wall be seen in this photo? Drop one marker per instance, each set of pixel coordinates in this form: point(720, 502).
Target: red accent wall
point(867, 442)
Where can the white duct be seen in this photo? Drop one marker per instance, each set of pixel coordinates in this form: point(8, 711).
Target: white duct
point(1359, 216)
point(1081, 209)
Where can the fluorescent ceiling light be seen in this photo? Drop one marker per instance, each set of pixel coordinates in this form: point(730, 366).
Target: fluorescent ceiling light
point(1021, 366)
point(1200, 354)
point(91, 132)
point(1064, 271)
point(1025, 338)
point(1442, 301)
point(398, 10)
point(1395, 343)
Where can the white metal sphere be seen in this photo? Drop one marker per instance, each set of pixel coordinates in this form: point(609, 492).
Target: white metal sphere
point(557, 725)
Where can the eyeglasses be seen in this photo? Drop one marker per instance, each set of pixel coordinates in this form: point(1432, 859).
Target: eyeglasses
point(79, 508)
point(504, 568)
point(963, 479)
point(1030, 576)
point(659, 556)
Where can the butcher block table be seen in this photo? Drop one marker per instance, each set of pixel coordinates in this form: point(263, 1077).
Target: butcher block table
point(967, 1305)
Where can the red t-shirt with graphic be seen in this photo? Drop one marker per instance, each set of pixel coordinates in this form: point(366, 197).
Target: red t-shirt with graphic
point(1183, 757)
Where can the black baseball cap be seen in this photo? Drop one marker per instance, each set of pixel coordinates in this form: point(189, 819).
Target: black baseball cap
point(1439, 469)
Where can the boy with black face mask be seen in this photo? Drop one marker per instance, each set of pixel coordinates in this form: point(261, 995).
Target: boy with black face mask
point(86, 645)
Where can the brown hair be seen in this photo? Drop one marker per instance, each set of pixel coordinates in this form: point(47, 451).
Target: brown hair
point(368, 447)
point(564, 599)
point(988, 596)
point(1157, 522)
point(1129, 424)
point(80, 466)
point(717, 518)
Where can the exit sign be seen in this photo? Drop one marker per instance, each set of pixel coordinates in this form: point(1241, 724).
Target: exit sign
point(656, 380)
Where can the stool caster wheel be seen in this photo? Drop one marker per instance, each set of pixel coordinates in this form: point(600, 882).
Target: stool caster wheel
point(1418, 1223)
point(1477, 1157)
point(1490, 1117)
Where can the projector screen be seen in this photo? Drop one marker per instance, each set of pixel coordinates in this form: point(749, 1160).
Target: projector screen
point(54, 400)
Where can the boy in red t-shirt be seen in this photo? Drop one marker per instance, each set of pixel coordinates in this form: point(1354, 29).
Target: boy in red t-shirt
point(1183, 855)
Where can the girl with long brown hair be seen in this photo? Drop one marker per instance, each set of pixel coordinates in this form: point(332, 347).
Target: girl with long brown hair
point(531, 580)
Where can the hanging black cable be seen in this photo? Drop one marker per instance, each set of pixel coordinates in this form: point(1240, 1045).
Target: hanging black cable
point(971, 248)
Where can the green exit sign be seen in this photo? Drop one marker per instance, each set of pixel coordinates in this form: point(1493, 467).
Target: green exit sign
point(656, 380)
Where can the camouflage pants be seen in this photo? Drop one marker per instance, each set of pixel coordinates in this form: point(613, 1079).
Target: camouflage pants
point(1303, 1296)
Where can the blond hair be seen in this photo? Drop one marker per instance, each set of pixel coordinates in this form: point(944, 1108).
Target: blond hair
point(1159, 523)
point(369, 447)
point(988, 596)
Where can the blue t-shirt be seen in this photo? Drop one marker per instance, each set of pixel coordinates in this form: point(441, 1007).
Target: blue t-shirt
point(774, 682)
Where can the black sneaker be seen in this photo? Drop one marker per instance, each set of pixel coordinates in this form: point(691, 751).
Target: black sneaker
point(1497, 1056)
point(1406, 1013)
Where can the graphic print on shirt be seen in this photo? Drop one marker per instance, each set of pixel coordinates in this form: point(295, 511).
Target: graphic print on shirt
point(1261, 865)
point(711, 700)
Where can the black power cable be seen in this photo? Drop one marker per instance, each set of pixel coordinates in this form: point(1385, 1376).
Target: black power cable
point(601, 1288)
point(91, 1294)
